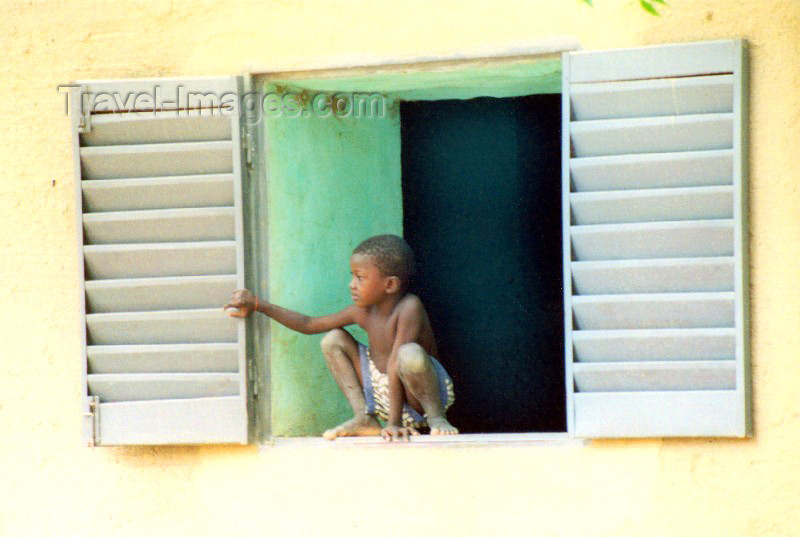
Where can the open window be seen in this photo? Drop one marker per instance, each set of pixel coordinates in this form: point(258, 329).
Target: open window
point(584, 217)
point(464, 161)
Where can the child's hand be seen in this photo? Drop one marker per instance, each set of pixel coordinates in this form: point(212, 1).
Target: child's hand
point(242, 303)
point(392, 433)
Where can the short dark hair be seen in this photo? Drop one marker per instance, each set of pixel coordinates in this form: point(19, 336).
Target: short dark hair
point(392, 255)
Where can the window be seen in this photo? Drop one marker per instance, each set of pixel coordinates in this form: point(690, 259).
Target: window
point(654, 247)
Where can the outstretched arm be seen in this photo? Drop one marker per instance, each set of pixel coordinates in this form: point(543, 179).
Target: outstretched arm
point(246, 302)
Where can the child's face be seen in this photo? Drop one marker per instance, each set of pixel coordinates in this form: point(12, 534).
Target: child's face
point(368, 285)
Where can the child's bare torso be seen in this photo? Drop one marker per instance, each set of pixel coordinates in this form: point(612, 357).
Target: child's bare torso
point(382, 330)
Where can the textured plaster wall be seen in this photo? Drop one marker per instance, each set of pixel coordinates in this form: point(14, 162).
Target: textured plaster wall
point(51, 486)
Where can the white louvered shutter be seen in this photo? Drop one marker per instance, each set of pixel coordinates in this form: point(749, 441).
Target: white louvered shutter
point(160, 208)
point(655, 241)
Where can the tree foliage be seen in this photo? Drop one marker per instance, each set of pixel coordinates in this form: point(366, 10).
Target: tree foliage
point(646, 5)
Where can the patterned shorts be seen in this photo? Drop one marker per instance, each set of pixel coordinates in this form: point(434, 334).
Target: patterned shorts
point(376, 390)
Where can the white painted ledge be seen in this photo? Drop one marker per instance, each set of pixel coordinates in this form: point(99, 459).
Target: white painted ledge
point(540, 47)
point(454, 441)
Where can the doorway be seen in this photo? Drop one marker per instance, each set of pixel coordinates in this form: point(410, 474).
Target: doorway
point(481, 182)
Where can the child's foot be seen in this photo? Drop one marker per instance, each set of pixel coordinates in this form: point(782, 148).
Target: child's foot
point(441, 426)
point(364, 425)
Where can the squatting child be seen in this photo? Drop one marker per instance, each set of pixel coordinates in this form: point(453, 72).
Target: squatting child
point(397, 377)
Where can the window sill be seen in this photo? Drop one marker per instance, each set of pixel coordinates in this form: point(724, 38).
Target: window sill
point(457, 441)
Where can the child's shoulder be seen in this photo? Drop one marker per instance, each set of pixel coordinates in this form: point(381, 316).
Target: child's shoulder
point(410, 303)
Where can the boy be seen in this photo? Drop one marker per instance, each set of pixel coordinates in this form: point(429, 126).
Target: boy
point(397, 377)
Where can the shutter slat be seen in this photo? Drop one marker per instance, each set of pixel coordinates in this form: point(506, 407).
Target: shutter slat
point(620, 206)
point(150, 294)
point(668, 310)
point(654, 344)
point(207, 125)
point(652, 240)
point(147, 387)
point(176, 421)
point(175, 358)
point(174, 326)
point(658, 61)
point(116, 261)
point(653, 276)
point(648, 414)
point(655, 376)
point(214, 190)
point(655, 97)
point(652, 170)
point(159, 225)
point(160, 94)
point(149, 160)
point(652, 135)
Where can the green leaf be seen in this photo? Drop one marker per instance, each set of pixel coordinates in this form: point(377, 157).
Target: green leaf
point(647, 6)
point(659, 1)
point(587, 2)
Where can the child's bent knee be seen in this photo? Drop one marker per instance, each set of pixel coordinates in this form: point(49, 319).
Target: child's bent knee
point(411, 358)
point(333, 339)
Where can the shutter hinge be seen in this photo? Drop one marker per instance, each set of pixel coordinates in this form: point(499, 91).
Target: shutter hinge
point(251, 371)
point(84, 119)
point(84, 123)
point(247, 117)
point(248, 147)
point(91, 421)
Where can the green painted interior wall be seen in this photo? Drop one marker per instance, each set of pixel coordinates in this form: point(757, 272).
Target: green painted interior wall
point(511, 79)
point(330, 183)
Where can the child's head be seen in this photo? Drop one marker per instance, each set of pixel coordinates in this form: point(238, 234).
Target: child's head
point(381, 265)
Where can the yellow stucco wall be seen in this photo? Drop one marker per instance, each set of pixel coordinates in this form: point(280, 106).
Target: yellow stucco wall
point(52, 486)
